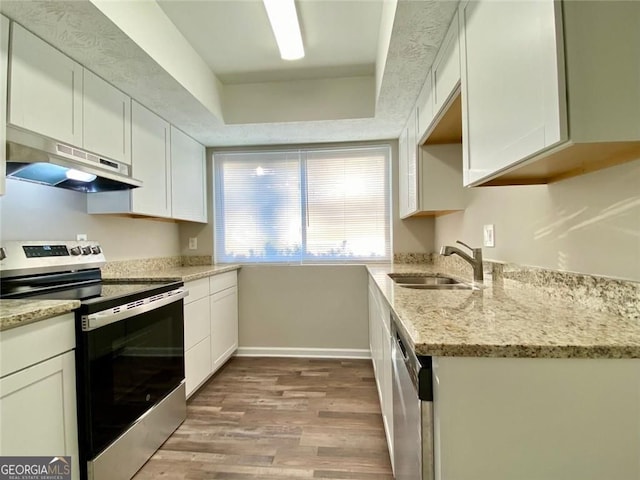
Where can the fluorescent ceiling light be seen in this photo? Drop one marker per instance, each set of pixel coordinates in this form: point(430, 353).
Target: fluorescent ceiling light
point(284, 23)
point(80, 176)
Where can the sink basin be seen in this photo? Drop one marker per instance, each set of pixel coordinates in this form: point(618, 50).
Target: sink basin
point(423, 279)
point(429, 282)
point(450, 286)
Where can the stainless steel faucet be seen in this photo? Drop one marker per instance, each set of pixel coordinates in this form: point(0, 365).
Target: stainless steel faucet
point(475, 261)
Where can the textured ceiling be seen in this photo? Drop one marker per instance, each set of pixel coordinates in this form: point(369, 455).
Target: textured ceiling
point(78, 29)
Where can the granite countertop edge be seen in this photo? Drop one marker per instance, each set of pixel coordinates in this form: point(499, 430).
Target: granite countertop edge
point(184, 274)
point(502, 320)
point(16, 313)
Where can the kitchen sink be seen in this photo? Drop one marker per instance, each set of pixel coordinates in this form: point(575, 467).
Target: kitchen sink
point(429, 282)
point(423, 279)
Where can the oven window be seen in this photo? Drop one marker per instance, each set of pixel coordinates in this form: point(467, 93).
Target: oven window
point(132, 365)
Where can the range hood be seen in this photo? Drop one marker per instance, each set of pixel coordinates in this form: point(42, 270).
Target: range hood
point(34, 158)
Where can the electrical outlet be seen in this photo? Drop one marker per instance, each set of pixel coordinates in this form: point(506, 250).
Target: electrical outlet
point(193, 243)
point(81, 237)
point(489, 236)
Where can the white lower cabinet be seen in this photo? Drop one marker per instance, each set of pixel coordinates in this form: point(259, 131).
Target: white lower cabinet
point(380, 344)
point(210, 327)
point(224, 325)
point(38, 392)
point(197, 335)
point(536, 418)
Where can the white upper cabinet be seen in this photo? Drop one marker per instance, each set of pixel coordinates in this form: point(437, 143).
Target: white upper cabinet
point(151, 163)
point(549, 89)
point(171, 166)
point(430, 171)
point(45, 89)
point(403, 150)
point(446, 68)
point(412, 166)
point(424, 106)
point(106, 119)
point(4, 59)
point(188, 178)
point(514, 83)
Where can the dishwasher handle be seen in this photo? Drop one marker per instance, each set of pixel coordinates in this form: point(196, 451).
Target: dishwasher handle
point(403, 349)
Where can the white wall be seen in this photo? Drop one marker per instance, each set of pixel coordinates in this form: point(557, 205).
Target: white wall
point(588, 224)
point(36, 212)
point(303, 306)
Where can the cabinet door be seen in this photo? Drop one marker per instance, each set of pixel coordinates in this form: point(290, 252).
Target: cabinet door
point(197, 365)
point(38, 411)
point(45, 90)
point(4, 59)
point(386, 399)
point(446, 68)
point(197, 323)
point(188, 178)
point(403, 152)
point(425, 107)
point(106, 119)
point(412, 165)
point(511, 83)
point(150, 162)
point(224, 325)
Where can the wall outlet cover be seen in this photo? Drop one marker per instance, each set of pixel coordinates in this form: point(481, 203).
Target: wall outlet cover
point(81, 237)
point(193, 243)
point(489, 236)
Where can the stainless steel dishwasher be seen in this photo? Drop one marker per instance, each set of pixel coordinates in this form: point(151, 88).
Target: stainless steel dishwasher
point(412, 411)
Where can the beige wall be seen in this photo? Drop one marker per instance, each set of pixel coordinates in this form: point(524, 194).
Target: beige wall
point(587, 224)
point(36, 212)
point(303, 306)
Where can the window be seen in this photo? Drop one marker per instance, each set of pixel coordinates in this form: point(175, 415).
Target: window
point(303, 206)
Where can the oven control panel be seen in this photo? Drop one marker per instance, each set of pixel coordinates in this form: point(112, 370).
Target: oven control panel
point(26, 257)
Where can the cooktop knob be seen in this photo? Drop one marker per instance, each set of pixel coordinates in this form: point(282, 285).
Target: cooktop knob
point(96, 249)
point(75, 251)
point(86, 250)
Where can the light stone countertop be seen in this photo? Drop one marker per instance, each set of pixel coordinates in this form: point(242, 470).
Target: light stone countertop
point(15, 313)
point(185, 274)
point(503, 319)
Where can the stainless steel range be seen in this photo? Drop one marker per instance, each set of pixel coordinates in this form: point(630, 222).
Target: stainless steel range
point(129, 351)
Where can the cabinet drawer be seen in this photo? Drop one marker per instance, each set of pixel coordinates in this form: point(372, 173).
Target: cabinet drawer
point(196, 322)
point(197, 365)
point(33, 343)
point(197, 289)
point(222, 281)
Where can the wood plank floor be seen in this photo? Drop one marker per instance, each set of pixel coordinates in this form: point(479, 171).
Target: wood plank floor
point(276, 418)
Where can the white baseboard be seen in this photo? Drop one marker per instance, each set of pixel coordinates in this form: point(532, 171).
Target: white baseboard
point(303, 352)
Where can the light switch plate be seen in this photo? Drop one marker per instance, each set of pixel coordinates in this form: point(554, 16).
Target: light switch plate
point(193, 243)
point(489, 236)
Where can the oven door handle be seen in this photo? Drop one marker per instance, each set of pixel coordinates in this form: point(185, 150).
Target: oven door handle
point(116, 314)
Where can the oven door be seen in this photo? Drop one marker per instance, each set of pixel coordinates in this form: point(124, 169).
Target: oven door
point(126, 367)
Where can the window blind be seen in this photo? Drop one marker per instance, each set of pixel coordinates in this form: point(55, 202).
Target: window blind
point(309, 205)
